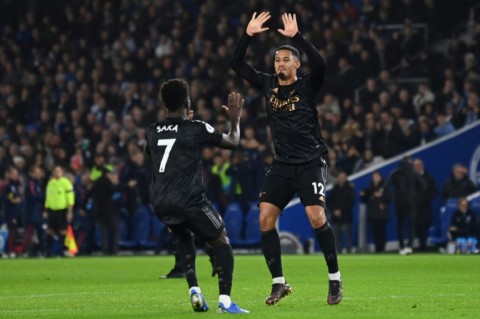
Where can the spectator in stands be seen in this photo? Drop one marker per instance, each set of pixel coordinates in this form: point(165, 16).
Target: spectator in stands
point(340, 203)
point(13, 208)
point(425, 131)
point(424, 203)
point(463, 222)
point(405, 185)
point(390, 138)
point(34, 201)
point(423, 96)
point(367, 160)
point(458, 184)
point(444, 127)
point(376, 199)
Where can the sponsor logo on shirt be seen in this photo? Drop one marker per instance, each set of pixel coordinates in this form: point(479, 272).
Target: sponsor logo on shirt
point(287, 105)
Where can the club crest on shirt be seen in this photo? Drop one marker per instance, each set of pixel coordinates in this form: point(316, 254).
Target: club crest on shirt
point(170, 128)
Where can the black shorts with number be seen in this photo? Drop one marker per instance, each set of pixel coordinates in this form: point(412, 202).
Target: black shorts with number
point(57, 220)
point(308, 180)
point(206, 224)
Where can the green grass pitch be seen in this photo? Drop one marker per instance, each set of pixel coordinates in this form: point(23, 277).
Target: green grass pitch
point(375, 286)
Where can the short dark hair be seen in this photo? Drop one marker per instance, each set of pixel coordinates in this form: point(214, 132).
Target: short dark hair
point(174, 94)
point(293, 50)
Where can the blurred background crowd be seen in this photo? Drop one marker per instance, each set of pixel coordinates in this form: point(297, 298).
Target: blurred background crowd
point(79, 81)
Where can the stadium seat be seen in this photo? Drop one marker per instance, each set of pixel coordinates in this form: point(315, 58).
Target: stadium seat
point(439, 234)
point(253, 226)
point(233, 222)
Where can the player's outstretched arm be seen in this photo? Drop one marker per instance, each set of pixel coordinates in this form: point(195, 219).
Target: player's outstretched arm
point(317, 62)
point(234, 111)
point(238, 62)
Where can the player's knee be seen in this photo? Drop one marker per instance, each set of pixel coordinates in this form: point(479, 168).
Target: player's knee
point(267, 221)
point(222, 240)
point(317, 218)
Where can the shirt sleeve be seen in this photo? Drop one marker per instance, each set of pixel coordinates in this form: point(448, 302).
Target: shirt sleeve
point(317, 62)
point(47, 196)
point(208, 134)
point(69, 192)
point(239, 65)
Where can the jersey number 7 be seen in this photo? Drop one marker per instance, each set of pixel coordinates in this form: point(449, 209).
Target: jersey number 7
point(169, 144)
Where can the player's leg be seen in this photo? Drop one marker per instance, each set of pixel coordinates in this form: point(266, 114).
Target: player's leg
point(208, 226)
point(400, 214)
point(275, 195)
point(187, 255)
point(209, 251)
point(177, 270)
point(411, 222)
point(311, 181)
point(63, 225)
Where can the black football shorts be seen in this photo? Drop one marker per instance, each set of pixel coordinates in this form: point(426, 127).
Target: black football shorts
point(308, 180)
point(57, 220)
point(206, 224)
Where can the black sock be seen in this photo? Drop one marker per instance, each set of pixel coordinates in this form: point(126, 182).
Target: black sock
point(224, 267)
point(326, 239)
point(178, 263)
point(272, 252)
point(187, 254)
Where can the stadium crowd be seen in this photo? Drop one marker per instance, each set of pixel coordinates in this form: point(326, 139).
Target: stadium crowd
point(79, 82)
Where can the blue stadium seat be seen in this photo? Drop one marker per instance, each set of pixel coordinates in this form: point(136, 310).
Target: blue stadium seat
point(233, 222)
point(440, 234)
point(253, 226)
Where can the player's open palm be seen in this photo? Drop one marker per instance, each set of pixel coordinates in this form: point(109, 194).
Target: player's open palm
point(290, 26)
point(235, 105)
point(256, 23)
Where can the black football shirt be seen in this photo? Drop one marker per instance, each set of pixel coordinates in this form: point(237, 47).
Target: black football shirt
point(291, 109)
point(175, 148)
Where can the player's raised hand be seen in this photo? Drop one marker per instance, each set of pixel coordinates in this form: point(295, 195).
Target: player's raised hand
point(290, 27)
point(256, 23)
point(235, 105)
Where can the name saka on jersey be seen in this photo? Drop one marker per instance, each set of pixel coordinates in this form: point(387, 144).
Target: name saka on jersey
point(170, 128)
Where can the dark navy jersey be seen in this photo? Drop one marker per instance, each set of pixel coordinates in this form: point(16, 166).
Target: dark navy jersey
point(175, 148)
point(291, 109)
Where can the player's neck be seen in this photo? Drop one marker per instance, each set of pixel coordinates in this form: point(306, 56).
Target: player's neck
point(178, 115)
point(288, 81)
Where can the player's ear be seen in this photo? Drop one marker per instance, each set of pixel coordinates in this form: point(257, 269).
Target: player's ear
point(297, 64)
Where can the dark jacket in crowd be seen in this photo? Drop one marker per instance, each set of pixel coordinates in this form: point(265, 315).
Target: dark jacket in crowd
point(376, 199)
point(405, 184)
point(342, 197)
point(12, 211)
point(458, 188)
point(34, 200)
point(424, 200)
point(101, 193)
point(466, 223)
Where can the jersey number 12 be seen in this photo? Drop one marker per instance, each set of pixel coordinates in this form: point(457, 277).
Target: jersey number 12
point(169, 144)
